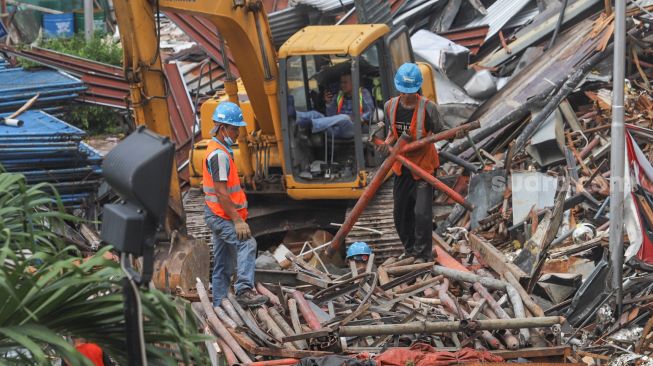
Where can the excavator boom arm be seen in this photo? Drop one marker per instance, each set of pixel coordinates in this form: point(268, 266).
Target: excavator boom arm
point(242, 24)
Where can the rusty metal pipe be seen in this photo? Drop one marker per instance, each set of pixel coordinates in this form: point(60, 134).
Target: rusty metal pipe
point(469, 277)
point(308, 314)
point(426, 176)
point(228, 353)
point(447, 326)
point(229, 309)
point(444, 135)
point(274, 299)
point(217, 325)
point(271, 325)
point(294, 316)
point(450, 304)
point(523, 332)
point(368, 194)
point(280, 362)
point(287, 329)
point(419, 284)
point(222, 315)
point(590, 146)
point(535, 309)
point(436, 183)
point(508, 338)
point(400, 270)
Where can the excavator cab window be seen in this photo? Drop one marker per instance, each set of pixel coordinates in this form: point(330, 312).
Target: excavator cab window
point(331, 101)
point(400, 48)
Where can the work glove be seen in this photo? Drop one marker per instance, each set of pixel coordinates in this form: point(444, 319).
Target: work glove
point(242, 230)
point(383, 148)
point(460, 134)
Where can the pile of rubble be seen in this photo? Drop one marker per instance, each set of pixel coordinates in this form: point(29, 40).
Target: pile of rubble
point(524, 274)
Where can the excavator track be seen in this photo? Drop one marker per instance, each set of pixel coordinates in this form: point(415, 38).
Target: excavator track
point(376, 226)
point(195, 225)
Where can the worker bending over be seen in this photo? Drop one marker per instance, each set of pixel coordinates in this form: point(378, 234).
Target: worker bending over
point(225, 212)
point(338, 121)
point(418, 117)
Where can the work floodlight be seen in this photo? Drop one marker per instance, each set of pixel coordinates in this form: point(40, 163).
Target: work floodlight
point(139, 170)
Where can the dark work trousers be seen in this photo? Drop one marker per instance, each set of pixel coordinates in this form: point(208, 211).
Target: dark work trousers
point(413, 215)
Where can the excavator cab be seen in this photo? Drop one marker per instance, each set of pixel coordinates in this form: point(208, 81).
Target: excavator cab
point(333, 83)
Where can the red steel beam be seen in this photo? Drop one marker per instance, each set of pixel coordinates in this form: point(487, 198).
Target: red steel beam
point(202, 31)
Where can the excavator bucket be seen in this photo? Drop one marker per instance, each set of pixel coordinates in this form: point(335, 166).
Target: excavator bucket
point(178, 264)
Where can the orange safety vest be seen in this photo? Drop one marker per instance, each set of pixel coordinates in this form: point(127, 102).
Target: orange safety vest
point(236, 193)
point(340, 100)
point(426, 158)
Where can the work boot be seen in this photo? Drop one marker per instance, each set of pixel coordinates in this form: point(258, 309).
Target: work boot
point(250, 298)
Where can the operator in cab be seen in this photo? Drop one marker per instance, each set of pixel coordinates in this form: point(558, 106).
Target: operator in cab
point(338, 121)
point(418, 117)
point(234, 248)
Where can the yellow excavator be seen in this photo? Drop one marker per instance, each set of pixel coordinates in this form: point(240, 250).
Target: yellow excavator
point(287, 172)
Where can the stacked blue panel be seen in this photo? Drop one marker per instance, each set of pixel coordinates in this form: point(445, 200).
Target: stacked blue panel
point(47, 149)
point(17, 86)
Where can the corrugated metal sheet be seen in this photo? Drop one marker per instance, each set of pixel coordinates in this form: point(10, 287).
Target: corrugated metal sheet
point(414, 13)
point(17, 86)
point(472, 38)
point(285, 23)
point(524, 16)
point(373, 11)
point(47, 149)
point(205, 34)
point(499, 14)
point(105, 84)
point(324, 5)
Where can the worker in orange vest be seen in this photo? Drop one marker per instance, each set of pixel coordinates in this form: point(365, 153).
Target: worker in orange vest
point(226, 212)
point(414, 115)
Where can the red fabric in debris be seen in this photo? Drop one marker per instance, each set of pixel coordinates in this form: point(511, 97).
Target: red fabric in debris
point(421, 354)
point(645, 252)
point(91, 351)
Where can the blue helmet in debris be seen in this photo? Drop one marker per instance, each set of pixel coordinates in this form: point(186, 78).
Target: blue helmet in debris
point(408, 78)
point(228, 113)
point(358, 248)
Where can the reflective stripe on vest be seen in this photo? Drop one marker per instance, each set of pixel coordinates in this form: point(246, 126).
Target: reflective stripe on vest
point(416, 129)
point(215, 199)
point(340, 100)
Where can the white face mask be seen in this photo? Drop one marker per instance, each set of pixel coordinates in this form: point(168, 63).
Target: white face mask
point(228, 140)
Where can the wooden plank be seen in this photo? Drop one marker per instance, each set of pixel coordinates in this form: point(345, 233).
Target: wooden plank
point(494, 258)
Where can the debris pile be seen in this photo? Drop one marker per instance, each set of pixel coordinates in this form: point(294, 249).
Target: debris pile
point(524, 273)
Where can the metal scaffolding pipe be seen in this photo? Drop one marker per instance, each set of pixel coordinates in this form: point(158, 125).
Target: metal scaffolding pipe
point(450, 305)
point(365, 198)
point(379, 177)
point(617, 153)
point(287, 329)
point(447, 326)
point(470, 277)
point(308, 314)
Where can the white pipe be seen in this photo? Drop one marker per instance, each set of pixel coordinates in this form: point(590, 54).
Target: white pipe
point(13, 122)
point(88, 20)
point(617, 152)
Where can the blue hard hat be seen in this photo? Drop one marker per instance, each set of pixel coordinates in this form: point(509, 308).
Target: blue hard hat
point(408, 78)
point(228, 113)
point(358, 248)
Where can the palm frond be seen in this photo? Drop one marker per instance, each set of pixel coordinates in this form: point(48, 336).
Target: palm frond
point(47, 292)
